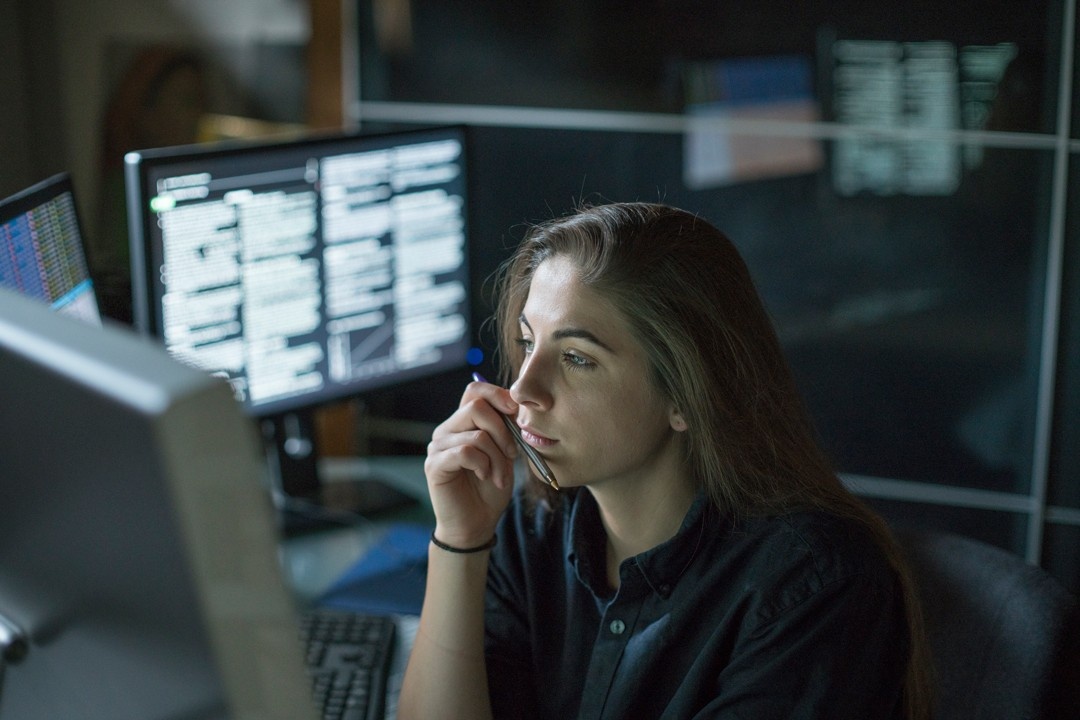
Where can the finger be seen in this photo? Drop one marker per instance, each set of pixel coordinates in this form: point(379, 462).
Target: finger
point(478, 414)
point(498, 397)
point(474, 450)
point(490, 420)
point(447, 464)
point(468, 464)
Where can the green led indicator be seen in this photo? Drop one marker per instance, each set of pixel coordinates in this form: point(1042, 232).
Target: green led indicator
point(161, 203)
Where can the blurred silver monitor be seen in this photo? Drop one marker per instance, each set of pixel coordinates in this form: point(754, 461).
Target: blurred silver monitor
point(139, 574)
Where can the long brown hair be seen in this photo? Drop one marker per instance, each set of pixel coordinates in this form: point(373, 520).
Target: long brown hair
point(713, 351)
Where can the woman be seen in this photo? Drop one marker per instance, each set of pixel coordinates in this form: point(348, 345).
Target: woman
point(701, 559)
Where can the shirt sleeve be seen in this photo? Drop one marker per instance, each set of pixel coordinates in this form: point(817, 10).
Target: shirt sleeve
point(838, 653)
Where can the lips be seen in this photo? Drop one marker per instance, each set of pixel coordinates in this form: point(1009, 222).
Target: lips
point(535, 439)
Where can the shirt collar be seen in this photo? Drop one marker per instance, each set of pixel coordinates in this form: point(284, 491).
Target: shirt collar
point(660, 567)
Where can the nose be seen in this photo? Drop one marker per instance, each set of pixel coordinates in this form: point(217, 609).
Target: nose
point(533, 384)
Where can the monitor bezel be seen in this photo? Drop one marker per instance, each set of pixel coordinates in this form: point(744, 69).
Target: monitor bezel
point(36, 195)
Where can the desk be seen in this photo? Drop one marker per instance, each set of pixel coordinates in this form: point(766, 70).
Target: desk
point(312, 562)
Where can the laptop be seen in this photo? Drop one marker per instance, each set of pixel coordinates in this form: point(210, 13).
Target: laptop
point(43, 250)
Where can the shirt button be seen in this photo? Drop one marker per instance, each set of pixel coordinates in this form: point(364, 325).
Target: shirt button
point(617, 627)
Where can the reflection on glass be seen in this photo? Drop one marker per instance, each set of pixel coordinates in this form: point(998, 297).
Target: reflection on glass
point(1065, 457)
point(934, 87)
point(914, 324)
point(942, 63)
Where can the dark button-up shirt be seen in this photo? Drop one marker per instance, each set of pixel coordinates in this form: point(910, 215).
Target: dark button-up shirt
point(798, 616)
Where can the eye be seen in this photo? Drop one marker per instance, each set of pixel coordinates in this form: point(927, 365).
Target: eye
point(526, 345)
point(577, 362)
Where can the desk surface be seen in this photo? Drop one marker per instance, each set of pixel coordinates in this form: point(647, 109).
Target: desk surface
point(312, 562)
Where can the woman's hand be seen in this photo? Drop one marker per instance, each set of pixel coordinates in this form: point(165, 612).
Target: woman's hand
point(470, 466)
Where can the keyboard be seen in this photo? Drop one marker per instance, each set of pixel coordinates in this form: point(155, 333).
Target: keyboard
point(348, 659)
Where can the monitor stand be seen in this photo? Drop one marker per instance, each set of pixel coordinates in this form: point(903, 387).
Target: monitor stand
point(306, 503)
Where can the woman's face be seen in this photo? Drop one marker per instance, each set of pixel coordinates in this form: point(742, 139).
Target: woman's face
point(586, 402)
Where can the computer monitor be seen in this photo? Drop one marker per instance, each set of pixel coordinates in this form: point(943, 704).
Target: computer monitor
point(305, 271)
point(139, 574)
point(42, 251)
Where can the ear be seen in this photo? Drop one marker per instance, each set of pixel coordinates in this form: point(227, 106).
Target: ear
point(677, 421)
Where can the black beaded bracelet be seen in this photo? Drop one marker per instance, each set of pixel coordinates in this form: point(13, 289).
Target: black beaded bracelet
point(450, 548)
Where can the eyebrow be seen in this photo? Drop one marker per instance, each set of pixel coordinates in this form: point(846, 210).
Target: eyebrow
point(571, 332)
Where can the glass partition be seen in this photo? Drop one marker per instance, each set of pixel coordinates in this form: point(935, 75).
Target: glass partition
point(896, 178)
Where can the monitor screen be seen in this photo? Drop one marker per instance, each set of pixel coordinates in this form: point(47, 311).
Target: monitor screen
point(132, 499)
point(42, 251)
point(305, 271)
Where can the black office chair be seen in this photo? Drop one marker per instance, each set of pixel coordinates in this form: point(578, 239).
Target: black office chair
point(1005, 635)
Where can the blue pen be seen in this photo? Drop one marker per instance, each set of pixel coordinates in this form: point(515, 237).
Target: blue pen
point(534, 457)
